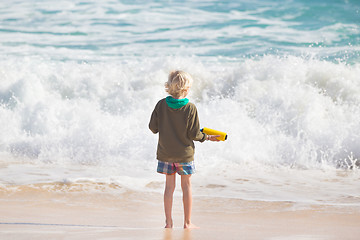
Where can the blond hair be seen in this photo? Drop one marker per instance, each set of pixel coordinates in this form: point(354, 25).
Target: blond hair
point(178, 83)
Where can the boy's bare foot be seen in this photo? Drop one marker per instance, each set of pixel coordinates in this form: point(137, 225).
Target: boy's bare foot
point(190, 226)
point(169, 224)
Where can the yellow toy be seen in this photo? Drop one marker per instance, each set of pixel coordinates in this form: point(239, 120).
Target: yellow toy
point(223, 136)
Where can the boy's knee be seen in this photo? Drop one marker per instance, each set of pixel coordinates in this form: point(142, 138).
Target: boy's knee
point(185, 185)
point(169, 189)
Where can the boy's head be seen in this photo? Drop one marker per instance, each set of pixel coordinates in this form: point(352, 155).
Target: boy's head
point(178, 84)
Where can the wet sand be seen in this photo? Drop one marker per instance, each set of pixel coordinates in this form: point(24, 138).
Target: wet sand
point(133, 215)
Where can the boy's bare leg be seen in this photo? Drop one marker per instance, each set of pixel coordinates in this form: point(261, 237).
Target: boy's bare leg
point(187, 200)
point(168, 199)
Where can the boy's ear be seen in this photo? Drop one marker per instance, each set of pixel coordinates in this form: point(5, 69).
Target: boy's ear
point(187, 90)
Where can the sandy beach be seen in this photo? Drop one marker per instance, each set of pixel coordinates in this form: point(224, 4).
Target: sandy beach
point(133, 215)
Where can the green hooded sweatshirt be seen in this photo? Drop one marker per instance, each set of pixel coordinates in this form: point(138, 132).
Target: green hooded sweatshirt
point(177, 122)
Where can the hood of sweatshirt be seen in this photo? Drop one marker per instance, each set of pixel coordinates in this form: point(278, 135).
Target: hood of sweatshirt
point(176, 103)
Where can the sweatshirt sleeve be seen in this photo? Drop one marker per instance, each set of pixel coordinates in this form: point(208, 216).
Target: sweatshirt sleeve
point(194, 127)
point(153, 124)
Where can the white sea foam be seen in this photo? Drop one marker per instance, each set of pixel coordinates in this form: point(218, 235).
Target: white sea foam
point(285, 117)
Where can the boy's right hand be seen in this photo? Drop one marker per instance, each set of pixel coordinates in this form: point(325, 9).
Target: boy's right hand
point(213, 138)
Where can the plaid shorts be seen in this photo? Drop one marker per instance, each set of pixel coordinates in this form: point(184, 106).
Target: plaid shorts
point(172, 168)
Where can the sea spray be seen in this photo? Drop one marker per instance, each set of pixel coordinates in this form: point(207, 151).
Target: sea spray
point(289, 111)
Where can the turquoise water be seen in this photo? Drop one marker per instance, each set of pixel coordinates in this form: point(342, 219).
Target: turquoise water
point(90, 30)
point(79, 80)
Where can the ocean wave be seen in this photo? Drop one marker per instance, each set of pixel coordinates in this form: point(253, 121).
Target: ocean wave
point(289, 110)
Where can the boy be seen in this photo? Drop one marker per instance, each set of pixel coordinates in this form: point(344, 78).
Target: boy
point(177, 122)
